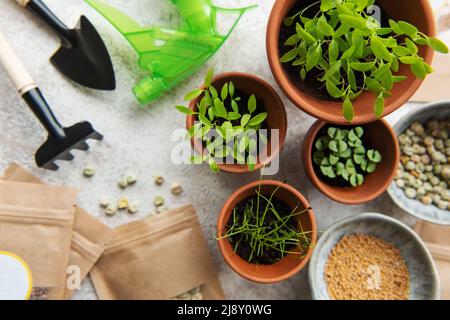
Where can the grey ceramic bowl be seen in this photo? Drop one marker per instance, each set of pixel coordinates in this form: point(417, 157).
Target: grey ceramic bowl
point(430, 213)
point(424, 281)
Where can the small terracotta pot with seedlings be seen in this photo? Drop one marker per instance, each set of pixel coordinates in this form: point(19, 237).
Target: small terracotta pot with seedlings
point(351, 61)
point(230, 122)
point(351, 164)
point(267, 231)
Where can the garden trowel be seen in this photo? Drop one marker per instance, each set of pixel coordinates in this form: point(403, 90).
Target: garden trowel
point(83, 56)
point(60, 140)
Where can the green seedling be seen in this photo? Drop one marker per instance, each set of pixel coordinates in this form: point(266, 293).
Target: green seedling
point(236, 122)
point(341, 154)
point(351, 53)
point(254, 228)
point(171, 55)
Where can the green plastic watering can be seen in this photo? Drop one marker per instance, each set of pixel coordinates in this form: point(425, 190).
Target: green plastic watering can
point(170, 56)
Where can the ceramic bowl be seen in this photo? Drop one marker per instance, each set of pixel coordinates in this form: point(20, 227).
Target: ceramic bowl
point(424, 281)
point(430, 213)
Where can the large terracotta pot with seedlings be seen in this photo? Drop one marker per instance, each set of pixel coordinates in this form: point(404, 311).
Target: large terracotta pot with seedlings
point(267, 231)
point(339, 63)
point(242, 110)
point(351, 164)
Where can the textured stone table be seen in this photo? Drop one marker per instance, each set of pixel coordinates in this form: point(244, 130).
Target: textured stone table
point(138, 139)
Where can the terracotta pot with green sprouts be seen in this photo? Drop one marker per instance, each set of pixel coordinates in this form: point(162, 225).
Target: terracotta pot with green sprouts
point(267, 231)
point(351, 61)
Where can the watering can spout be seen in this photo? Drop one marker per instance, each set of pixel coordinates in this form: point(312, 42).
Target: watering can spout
point(150, 89)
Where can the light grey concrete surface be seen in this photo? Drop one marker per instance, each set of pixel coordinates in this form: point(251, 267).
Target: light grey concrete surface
point(139, 139)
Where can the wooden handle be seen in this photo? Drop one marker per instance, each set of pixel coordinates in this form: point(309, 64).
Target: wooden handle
point(14, 67)
point(23, 3)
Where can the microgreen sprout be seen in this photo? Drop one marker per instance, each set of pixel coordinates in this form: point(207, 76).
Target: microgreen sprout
point(236, 122)
point(341, 153)
point(350, 52)
point(263, 228)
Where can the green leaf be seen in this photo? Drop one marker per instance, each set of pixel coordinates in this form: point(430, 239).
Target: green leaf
point(302, 33)
point(220, 110)
point(371, 167)
point(258, 119)
point(379, 49)
point(185, 110)
point(395, 27)
point(233, 116)
point(213, 91)
point(333, 146)
point(353, 21)
point(333, 51)
point(419, 70)
point(325, 28)
point(437, 45)
point(347, 110)
point(234, 106)
point(408, 28)
point(410, 60)
point(231, 89)
point(193, 94)
point(333, 159)
point(224, 93)
point(397, 79)
point(379, 105)
point(245, 119)
point(204, 120)
point(213, 165)
point(251, 104)
point(289, 56)
point(333, 90)
point(412, 46)
point(211, 114)
point(243, 144)
point(362, 66)
point(402, 51)
point(209, 77)
point(332, 132)
point(327, 5)
point(292, 40)
point(348, 53)
point(351, 79)
point(313, 56)
point(328, 171)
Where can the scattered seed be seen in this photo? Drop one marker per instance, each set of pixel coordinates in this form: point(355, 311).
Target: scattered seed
point(123, 203)
point(162, 209)
point(159, 201)
point(89, 172)
point(132, 208)
point(159, 180)
point(177, 189)
point(131, 179)
point(123, 184)
point(111, 210)
point(104, 202)
point(410, 193)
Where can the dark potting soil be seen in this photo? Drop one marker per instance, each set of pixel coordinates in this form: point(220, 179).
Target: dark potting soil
point(243, 249)
point(243, 109)
point(338, 181)
point(311, 85)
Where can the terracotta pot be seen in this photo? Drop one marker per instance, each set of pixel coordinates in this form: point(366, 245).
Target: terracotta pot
point(380, 136)
point(417, 12)
point(276, 118)
point(291, 264)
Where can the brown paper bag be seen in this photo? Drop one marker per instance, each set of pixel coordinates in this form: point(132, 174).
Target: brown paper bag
point(89, 239)
point(437, 239)
point(36, 223)
point(158, 258)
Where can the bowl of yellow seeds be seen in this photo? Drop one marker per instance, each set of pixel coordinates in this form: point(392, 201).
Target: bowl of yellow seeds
point(372, 257)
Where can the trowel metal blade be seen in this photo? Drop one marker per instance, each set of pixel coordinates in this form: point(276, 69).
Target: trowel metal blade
point(85, 59)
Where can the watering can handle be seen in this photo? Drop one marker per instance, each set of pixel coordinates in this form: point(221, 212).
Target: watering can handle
point(14, 67)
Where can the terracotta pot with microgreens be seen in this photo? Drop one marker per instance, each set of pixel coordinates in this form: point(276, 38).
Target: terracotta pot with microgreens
point(267, 231)
point(352, 61)
point(236, 122)
point(351, 164)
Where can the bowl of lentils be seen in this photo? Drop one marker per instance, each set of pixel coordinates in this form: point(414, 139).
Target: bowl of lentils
point(421, 185)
